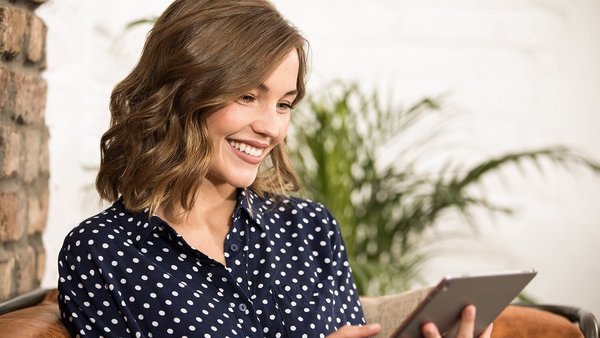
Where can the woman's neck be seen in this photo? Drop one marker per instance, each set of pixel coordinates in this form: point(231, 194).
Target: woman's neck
point(206, 226)
point(213, 206)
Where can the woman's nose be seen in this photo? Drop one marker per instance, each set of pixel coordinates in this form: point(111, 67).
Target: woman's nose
point(267, 122)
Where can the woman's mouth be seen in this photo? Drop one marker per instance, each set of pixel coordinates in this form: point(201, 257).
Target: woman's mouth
point(246, 148)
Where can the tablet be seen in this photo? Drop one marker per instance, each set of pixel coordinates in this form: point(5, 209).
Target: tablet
point(490, 293)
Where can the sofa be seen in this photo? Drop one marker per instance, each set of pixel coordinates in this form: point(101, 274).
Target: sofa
point(36, 314)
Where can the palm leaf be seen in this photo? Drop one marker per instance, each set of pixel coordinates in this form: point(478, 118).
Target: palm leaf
point(385, 206)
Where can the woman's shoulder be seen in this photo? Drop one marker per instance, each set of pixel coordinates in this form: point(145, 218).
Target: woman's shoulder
point(276, 209)
point(97, 230)
point(290, 204)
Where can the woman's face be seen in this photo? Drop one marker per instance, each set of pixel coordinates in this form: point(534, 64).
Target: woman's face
point(246, 130)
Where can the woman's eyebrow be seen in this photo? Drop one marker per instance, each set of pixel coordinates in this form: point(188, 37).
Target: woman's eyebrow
point(263, 88)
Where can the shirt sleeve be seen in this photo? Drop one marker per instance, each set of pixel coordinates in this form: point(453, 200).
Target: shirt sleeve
point(350, 310)
point(86, 303)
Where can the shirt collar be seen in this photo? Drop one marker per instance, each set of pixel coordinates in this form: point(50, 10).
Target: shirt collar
point(252, 204)
point(139, 225)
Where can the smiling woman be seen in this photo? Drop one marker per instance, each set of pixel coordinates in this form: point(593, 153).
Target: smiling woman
point(203, 238)
point(199, 241)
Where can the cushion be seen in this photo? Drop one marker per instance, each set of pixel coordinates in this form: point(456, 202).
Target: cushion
point(390, 310)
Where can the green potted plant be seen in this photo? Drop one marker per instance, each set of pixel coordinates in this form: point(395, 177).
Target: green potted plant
point(341, 142)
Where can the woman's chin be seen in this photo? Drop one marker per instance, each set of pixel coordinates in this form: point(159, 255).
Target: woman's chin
point(242, 181)
point(245, 183)
point(239, 179)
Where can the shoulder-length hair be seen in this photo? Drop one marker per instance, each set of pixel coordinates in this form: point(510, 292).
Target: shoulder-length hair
point(199, 56)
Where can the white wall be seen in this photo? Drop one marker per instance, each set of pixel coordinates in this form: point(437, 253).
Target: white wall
point(521, 74)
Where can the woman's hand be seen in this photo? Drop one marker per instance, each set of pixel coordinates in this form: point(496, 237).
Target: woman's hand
point(429, 330)
point(465, 329)
point(355, 331)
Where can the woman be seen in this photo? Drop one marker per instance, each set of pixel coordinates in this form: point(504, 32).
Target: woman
point(203, 239)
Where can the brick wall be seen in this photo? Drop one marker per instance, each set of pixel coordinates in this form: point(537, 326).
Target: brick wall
point(24, 164)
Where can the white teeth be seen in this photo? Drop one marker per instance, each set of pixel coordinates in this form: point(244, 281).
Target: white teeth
point(250, 150)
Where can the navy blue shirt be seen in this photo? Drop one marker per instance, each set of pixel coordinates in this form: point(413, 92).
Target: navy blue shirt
point(287, 275)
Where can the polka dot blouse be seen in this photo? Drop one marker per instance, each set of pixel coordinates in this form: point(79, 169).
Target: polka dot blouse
point(287, 275)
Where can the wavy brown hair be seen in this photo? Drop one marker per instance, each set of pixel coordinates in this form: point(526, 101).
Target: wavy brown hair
point(199, 56)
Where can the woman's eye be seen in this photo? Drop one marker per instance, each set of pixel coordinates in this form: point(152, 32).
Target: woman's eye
point(247, 99)
point(284, 107)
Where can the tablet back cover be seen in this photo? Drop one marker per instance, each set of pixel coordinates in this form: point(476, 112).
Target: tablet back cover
point(490, 293)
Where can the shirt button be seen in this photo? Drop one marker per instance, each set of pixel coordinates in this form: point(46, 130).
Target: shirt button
point(234, 247)
point(242, 307)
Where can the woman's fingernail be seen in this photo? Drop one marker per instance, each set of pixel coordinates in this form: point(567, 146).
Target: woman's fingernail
point(427, 331)
point(469, 312)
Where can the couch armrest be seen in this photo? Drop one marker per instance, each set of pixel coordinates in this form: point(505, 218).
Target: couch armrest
point(35, 314)
point(22, 301)
point(588, 324)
